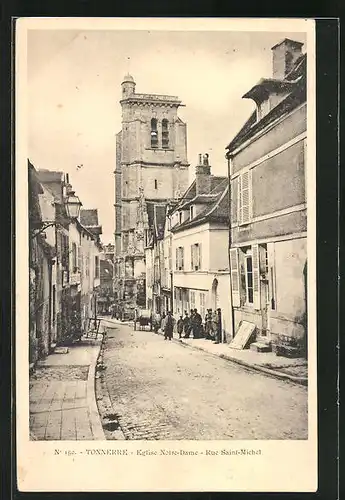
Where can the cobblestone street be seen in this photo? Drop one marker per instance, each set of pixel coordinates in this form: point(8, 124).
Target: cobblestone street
point(164, 390)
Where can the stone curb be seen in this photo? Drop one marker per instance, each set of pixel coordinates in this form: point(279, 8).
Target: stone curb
point(262, 369)
point(118, 434)
point(95, 420)
point(268, 371)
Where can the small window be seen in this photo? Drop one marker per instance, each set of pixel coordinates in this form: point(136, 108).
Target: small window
point(154, 133)
point(165, 133)
point(191, 212)
point(192, 299)
point(195, 257)
point(180, 217)
point(156, 184)
point(179, 258)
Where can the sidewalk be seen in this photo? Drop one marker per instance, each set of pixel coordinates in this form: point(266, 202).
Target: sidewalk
point(62, 395)
point(295, 370)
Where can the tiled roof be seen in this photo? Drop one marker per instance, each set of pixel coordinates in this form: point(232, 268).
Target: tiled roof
point(217, 211)
point(45, 175)
point(218, 184)
point(89, 218)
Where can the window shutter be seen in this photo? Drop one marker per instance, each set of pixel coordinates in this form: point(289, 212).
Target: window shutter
point(58, 247)
point(182, 258)
point(199, 256)
point(245, 197)
point(256, 276)
point(176, 258)
point(79, 258)
point(192, 257)
point(235, 278)
point(239, 200)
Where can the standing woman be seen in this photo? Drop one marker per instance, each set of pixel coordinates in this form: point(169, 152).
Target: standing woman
point(163, 322)
point(186, 325)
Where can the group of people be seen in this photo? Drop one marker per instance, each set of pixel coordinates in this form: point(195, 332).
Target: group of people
point(192, 325)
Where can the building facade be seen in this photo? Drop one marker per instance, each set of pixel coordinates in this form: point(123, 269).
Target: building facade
point(92, 252)
point(158, 264)
point(199, 225)
point(151, 166)
point(42, 270)
point(56, 184)
point(64, 265)
point(269, 207)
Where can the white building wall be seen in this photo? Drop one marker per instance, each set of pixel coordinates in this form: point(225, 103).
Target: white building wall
point(289, 260)
point(199, 234)
point(219, 244)
point(214, 266)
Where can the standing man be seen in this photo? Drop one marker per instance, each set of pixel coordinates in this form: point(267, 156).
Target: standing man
point(197, 324)
point(192, 323)
point(219, 326)
point(168, 326)
point(180, 327)
point(214, 326)
point(186, 325)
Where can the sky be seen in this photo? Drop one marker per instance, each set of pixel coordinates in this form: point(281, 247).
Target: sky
point(74, 88)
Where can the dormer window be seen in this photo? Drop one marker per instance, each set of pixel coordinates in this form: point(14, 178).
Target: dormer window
point(165, 133)
point(262, 109)
point(154, 133)
point(191, 212)
point(180, 217)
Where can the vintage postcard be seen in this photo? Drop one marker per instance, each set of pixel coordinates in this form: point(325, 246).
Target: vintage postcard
point(165, 255)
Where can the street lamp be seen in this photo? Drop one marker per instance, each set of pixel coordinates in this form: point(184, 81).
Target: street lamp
point(72, 205)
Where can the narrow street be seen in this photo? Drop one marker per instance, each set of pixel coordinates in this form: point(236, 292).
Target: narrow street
point(164, 390)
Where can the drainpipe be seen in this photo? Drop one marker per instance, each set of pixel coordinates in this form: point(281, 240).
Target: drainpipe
point(232, 322)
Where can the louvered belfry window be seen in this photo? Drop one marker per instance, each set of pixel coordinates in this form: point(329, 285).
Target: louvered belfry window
point(245, 198)
point(165, 133)
point(154, 133)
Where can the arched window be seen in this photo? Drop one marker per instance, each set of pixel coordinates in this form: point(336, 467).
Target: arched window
point(154, 133)
point(165, 133)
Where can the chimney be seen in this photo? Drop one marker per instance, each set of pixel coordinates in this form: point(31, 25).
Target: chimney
point(285, 54)
point(203, 175)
